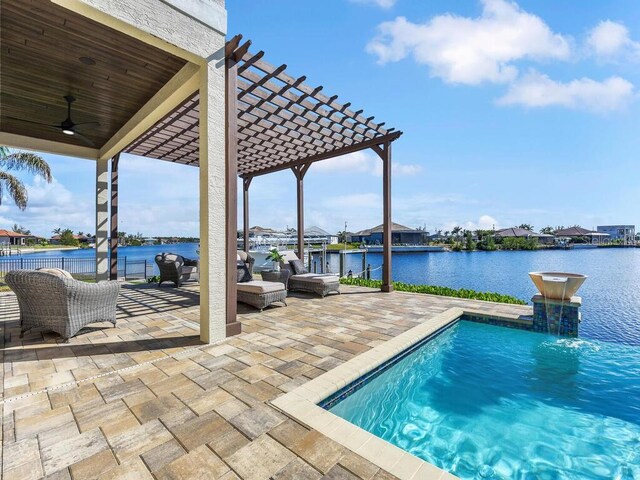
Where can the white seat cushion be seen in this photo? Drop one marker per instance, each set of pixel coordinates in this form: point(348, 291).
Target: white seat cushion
point(260, 286)
point(58, 272)
point(184, 270)
point(315, 278)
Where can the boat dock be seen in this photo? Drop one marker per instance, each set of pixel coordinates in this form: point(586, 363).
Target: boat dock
point(8, 251)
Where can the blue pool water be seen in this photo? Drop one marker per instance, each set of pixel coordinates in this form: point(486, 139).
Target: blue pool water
point(491, 402)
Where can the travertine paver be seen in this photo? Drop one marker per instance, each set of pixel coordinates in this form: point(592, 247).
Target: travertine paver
point(147, 400)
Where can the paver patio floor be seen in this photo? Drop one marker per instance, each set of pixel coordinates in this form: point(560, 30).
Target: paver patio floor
point(147, 400)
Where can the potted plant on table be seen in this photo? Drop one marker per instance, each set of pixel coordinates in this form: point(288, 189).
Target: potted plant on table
point(276, 257)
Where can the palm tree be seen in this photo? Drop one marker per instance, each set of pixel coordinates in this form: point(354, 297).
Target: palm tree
point(17, 161)
point(57, 231)
point(526, 226)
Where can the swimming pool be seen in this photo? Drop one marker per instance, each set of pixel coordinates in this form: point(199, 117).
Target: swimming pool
point(482, 401)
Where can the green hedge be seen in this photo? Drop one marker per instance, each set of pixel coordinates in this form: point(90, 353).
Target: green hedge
point(434, 290)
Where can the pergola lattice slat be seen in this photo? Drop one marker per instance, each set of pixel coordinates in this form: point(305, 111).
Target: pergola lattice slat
point(281, 121)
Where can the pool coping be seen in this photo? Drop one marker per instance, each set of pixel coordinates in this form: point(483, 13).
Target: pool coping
point(301, 404)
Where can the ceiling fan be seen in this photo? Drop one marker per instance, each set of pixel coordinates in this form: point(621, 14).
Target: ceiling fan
point(67, 126)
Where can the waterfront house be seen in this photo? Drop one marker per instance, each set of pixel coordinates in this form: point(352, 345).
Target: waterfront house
point(400, 234)
point(578, 234)
point(515, 232)
point(82, 239)
point(623, 233)
point(11, 238)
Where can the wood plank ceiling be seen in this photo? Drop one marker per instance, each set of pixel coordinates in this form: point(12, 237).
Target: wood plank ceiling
point(281, 122)
point(48, 52)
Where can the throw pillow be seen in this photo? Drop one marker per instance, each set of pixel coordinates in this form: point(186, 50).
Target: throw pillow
point(298, 267)
point(243, 272)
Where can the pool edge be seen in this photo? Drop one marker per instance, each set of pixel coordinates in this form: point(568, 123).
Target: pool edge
point(301, 404)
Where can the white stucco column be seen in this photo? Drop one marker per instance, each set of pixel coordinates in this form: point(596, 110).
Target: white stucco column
point(102, 219)
point(212, 200)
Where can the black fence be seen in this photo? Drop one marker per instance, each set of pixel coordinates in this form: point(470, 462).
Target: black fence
point(82, 268)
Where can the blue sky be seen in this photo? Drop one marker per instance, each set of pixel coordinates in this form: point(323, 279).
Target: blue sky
point(512, 112)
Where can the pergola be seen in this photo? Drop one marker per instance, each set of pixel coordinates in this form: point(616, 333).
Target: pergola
point(171, 88)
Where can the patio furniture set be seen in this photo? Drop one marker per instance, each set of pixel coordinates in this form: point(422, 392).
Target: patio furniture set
point(53, 299)
point(257, 293)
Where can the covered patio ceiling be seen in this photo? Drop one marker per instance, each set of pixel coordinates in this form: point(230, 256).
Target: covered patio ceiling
point(48, 51)
point(281, 122)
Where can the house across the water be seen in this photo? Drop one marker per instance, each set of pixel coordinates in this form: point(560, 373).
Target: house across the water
point(399, 235)
point(11, 238)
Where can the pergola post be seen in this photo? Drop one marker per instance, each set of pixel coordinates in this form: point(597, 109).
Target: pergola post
point(384, 152)
point(113, 274)
point(246, 182)
point(212, 178)
point(299, 171)
point(231, 153)
point(102, 219)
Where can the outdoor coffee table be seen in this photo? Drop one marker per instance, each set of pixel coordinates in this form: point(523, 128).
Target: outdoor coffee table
point(282, 276)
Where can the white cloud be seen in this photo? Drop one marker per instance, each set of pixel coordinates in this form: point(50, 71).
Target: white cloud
point(471, 50)
point(609, 40)
point(363, 162)
point(50, 205)
point(536, 90)
point(485, 222)
point(386, 4)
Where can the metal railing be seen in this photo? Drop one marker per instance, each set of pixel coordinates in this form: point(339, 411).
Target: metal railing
point(78, 267)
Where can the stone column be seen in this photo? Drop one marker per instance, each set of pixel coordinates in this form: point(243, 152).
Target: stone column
point(102, 219)
point(213, 288)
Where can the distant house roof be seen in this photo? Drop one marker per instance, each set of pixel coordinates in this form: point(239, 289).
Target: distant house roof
point(395, 227)
point(316, 232)
point(516, 232)
point(11, 233)
point(574, 232)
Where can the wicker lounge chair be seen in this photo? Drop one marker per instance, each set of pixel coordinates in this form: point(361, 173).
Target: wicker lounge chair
point(320, 284)
point(57, 302)
point(258, 293)
point(175, 268)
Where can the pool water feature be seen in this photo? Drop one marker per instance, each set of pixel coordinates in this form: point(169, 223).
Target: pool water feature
point(491, 402)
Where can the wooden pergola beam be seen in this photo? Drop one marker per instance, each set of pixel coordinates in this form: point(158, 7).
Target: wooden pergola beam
point(325, 156)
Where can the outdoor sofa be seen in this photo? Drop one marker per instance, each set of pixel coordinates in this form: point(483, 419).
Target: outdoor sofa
point(257, 293)
point(301, 280)
point(175, 268)
point(54, 300)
